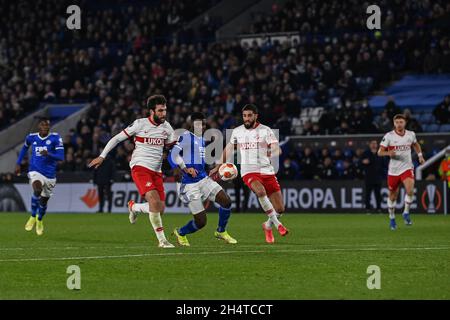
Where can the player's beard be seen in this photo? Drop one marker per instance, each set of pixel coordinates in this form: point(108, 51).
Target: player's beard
point(249, 125)
point(158, 120)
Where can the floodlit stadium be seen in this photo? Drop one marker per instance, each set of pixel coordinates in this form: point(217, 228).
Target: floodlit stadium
point(224, 150)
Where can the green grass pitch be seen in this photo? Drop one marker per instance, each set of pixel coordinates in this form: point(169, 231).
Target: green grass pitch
point(324, 257)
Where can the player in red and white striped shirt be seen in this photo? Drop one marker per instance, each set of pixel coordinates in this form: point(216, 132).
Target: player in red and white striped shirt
point(151, 135)
point(397, 145)
point(257, 144)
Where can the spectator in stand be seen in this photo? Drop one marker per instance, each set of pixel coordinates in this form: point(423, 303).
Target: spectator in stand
point(348, 172)
point(442, 111)
point(391, 108)
point(357, 163)
point(411, 122)
point(327, 170)
point(308, 164)
point(288, 170)
point(384, 123)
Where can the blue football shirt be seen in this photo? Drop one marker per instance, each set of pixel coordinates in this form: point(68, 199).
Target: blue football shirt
point(192, 149)
point(45, 165)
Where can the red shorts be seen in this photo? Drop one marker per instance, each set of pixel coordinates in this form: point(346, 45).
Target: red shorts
point(394, 181)
point(147, 180)
point(269, 181)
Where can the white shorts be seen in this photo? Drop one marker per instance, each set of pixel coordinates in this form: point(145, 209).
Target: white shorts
point(195, 194)
point(47, 184)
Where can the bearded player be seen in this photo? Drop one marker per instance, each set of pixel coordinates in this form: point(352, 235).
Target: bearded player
point(151, 135)
point(257, 144)
point(397, 144)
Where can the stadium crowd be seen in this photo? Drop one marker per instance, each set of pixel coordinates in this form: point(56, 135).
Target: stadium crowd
point(43, 61)
point(115, 62)
point(335, 16)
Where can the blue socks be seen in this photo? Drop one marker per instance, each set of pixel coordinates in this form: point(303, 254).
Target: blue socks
point(224, 215)
point(34, 205)
point(190, 227)
point(41, 211)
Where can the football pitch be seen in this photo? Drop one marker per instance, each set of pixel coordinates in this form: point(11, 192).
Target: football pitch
point(323, 257)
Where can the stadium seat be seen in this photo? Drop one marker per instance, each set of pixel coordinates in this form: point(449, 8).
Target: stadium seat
point(297, 126)
point(431, 128)
point(340, 166)
point(426, 118)
point(348, 153)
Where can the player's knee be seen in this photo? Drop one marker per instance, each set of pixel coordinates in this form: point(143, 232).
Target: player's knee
point(200, 220)
point(226, 203)
point(392, 195)
point(260, 193)
point(43, 201)
point(37, 192)
point(155, 206)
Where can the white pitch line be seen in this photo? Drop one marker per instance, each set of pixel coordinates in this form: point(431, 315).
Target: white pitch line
point(204, 247)
point(222, 252)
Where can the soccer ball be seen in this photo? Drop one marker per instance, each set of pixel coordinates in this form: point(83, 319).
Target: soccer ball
point(228, 171)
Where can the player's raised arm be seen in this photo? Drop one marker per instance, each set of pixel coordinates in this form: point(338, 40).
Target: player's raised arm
point(113, 142)
point(22, 154)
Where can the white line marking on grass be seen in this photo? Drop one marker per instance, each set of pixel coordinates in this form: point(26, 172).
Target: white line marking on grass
point(318, 246)
point(222, 252)
point(131, 256)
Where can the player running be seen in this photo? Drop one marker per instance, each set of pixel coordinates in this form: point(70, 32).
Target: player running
point(46, 150)
point(397, 145)
point(257, 144)
point(196, 187)
point(151, 136)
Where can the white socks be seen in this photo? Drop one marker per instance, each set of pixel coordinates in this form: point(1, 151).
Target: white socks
point(141, 208)
point(155, 220)
point(267, 206)
point(268, 224)
point(391, 208)
point(408, 201)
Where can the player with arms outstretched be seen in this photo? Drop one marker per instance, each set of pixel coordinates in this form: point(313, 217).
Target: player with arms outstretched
point(397, 144)
point(151, 135)
point(46, 150)
point(257, 144)
point(196, 187)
